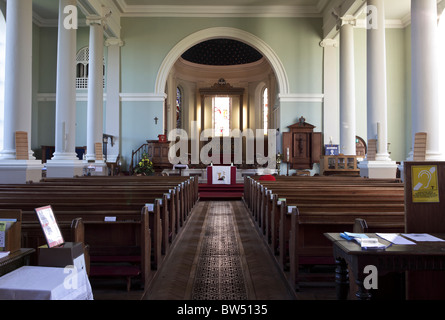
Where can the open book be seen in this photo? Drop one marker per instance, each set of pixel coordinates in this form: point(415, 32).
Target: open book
point(365, 242)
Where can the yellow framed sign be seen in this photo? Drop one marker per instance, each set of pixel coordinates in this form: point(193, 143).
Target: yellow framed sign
point(425, 186)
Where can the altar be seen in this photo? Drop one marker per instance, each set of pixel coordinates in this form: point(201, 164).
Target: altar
point(221, 175)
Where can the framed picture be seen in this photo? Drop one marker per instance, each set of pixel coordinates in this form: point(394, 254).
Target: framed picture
point(50, 227)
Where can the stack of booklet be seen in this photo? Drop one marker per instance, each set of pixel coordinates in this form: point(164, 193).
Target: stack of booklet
point(364, 241)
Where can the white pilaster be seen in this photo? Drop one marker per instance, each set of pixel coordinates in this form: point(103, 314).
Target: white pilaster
point(18, 94)
point(425, 89)
point(95, 86)
point(65, 162)
point(347, 87)
point(382, 167)
point(112, 120)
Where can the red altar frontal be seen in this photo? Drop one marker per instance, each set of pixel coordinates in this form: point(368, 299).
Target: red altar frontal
point(221, 175)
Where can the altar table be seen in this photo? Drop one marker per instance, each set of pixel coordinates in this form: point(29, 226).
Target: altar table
point(221, 175)
point(45, 283)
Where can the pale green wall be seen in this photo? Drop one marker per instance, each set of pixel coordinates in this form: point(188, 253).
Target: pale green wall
point(294, 40)
point(148, 41)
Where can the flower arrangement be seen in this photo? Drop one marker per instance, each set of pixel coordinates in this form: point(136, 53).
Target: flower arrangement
point(145, 166)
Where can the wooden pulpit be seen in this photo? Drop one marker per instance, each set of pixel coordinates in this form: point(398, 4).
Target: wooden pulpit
point(302, 147)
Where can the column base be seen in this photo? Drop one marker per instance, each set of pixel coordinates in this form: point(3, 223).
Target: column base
point(64, 168)
point(378, 169)
point(20, 171)
point(96, 168)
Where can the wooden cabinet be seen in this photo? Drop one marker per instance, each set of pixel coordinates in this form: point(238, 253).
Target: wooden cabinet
point(346, 165)
point(302, 147)
point(158, 153)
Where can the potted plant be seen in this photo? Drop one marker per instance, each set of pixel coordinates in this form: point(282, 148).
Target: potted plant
point(144, 167)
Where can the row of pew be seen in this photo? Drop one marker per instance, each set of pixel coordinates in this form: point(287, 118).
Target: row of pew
point(127, 224)
point(293, 213)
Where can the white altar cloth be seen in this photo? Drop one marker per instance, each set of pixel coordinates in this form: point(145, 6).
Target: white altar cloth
point(221, 175)
point(45, 283)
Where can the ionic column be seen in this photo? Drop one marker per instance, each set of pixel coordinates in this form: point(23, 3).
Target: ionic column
point(381, 166)
point(65, 147)
point(95, 86)
point(112, 120)
point(376, 78)
point(18, 79)
point(425, 89)
point(331, 122)
point(347, 86)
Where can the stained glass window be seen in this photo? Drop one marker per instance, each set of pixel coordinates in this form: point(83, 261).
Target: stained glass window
point(265, 111)
point(221, 115)
point(178, 108)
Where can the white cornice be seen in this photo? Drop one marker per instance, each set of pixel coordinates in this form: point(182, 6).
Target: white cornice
point(220, 11)
point(300, 97)
point(51, 97)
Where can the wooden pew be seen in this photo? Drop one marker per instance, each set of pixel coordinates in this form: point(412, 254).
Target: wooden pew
point(117, 249)
point(124, 199)
point(304, 208)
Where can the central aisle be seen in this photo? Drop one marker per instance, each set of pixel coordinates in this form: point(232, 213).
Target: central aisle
point(219, 256)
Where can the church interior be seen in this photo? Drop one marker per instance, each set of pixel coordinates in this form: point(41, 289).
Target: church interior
point(239, 150)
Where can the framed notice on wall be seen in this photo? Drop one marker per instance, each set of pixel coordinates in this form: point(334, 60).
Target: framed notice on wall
point(49, 226)
point(425, 183)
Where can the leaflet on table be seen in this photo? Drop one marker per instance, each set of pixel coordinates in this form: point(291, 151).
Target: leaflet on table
point(363, 240)
point(422, 237)
point(394, 238)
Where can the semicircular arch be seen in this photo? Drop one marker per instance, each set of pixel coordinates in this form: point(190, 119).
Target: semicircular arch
point(215, 33)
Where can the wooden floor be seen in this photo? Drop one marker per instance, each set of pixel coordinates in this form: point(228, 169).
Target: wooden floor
point(175, 280)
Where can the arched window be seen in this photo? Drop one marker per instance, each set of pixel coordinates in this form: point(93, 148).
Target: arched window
point(221, 115)
point(178, 108)
point(2, 75)
point(265, 109)
point(82, 68)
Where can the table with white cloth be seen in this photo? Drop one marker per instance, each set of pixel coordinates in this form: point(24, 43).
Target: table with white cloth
point(221, 175)
point(45, 283)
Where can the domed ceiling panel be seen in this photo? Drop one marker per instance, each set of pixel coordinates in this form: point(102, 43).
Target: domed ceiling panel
point(222, 52)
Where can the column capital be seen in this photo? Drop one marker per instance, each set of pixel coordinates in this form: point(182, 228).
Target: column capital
point(346, 20)
point(114, 42)
point(329, 43)
point(95, 20)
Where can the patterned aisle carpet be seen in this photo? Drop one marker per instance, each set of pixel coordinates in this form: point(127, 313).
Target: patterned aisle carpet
point(219, 272)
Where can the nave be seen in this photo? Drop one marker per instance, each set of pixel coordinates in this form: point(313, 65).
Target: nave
point(220, 256)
